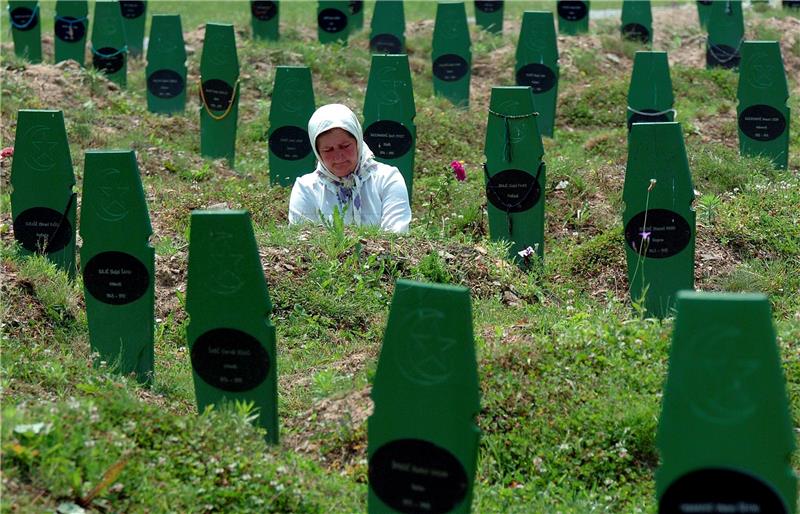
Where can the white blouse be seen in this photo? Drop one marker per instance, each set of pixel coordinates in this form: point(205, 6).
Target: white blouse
point(384, 200)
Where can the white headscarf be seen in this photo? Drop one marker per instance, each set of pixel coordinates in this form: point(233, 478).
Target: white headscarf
point(347, 189)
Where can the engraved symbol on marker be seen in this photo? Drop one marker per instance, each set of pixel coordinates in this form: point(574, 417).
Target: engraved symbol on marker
point(111, 207)
point(725, 395)
point(428, 361)
point(536, 42)
point(226, 264)
point(389, 93)
point(291, 95)
point(763, 74)
point(41, 159)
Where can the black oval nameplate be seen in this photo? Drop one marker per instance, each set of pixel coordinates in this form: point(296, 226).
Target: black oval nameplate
point(714, 490)
point(332, 20)
point(21, 16)
point(642, 117)
point(539, 77)
point(416, 476)
point(450, 67)
point(355, 6)
point(69, 29)
point(762, 122)
point(636, 32)
point(42, 230)
point(572, 10)
point(218, 94)
point(488, 6)
point(108, 60)
point(513, 190)
point(388, 139)
point(115, 278)
point(131, 9)
point(290, 143)
point(229, 359)
point(665, 235)
point(386, 44)
point(705, 2)
point(165, 83)
point(263, 10)
point(722, 55)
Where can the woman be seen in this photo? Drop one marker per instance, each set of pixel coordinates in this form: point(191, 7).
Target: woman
point(347, 177)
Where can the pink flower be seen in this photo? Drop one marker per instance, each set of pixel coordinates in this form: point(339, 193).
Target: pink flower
point(7, 152)
point(459, 171)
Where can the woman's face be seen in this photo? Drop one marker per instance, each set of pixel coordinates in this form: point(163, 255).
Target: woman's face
point(338, 150)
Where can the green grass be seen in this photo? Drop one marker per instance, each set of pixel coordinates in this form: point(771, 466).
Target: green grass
point(571, 374)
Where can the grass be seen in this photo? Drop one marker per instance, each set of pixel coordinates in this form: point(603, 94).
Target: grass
point(570, 373)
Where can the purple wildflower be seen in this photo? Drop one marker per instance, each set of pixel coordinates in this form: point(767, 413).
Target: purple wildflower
point(459, 171)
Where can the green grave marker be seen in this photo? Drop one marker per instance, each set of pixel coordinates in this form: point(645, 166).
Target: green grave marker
point(42, 201)
point(355, 12)
point(290, 152)
point(637, 21)
point(573, 16)
point(134, 15)
point(650, 96)
point(658, 220)
point(725, 34)
point(166, 65)
point(389, 112)
point(70, 28)
point(423, 441)
point(333, 21)
point(219, 93)
point(230, 336)
point(451, 56)
point(265, 19)
point(515, 172)
point(109, 50)
point(763, 112)
point(26, 29)
point(704, 11)
point(537, 65)
point(725, 434)
point(388, 28)
point(118, 263)
point(489, 15)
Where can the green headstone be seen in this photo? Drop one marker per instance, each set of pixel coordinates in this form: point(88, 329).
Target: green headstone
point(109, 50)
point(118, 263)
point(725, 34)
point(42, 201)
point(650, 97)
point(725, 434)
point(26, 29)
point(763, 112)
point(537, 65)
point(290, 152)
point(166, 65)
point(658, 220)
point(388, 25)
point(355, 11)
point(70, 27)
point(333, 21)
point(515, 172)
point(637, 21)
point(489, 15)
point(452, 57)
point(422, 438)
point(230, 336)
point(219, 93)
point(573, 16)
point(704, 11)
point(134, 15)
point(265, 19)
point(389, 113)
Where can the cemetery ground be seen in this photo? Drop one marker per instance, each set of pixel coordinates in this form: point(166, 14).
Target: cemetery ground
point(571, 372)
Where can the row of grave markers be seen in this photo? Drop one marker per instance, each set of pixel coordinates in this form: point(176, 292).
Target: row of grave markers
point(724, 387)
point(659, 222)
